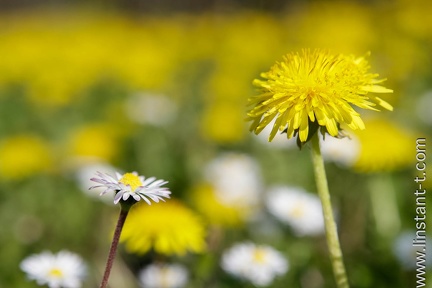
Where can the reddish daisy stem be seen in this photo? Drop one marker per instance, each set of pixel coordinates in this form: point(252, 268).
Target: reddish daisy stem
point(112, 253)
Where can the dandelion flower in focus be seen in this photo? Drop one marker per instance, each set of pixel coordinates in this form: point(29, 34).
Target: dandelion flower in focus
point(163, 276)
point(258, 264)
point(302, 211)
point(169, 228)
point(314, 89)
point(61, 270)
point(132, 185)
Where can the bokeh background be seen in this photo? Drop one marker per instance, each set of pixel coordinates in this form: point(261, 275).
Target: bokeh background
point(161, 87)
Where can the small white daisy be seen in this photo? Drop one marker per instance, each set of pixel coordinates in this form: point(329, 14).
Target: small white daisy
point(258, 264)
point(163, 276)
point(236, 178)
point(153, 109)
point(64, 269)
point(132, 185)
point(344, 151)
point(424, 103)
point(302, 211)
point(407, 253)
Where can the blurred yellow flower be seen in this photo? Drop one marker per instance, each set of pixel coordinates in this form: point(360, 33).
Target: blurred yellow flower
point(23, 155)
point(314, 88)
point(223, 123)
point(94, 141)
point(169, 228)
point(351, 25)
point(384, 146)
point(214, 211)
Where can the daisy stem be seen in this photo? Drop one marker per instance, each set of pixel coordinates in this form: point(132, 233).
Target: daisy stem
point(120, 222)
point(330, 224)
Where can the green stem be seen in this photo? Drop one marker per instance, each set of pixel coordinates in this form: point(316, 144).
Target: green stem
point(330, 224)
point(384, 205)
point(110, 261)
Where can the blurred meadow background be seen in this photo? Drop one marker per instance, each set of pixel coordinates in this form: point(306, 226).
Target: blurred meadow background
point(161, 88)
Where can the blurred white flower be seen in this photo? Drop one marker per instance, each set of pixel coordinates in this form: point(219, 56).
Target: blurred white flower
point(279, 141)
point(258, 264)
point(406, 252)
point(132, 185)
point(424, 104)
point(147, 108)
point(85, 171)
point(301, 210)
point(236, 179)
point(163, 276)
point(61, 270)
point(344, 151)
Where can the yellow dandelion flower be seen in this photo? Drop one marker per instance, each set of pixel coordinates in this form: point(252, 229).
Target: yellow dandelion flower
point(223, 123)
point(314, 89)
point(96, 140)
point(169, 228)
point(23, 155)
point(384, 146)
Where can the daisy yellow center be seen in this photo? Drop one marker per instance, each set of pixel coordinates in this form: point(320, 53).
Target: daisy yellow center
point(132, 180)
point(298, 211)
point(259, 255)
point(55, 272)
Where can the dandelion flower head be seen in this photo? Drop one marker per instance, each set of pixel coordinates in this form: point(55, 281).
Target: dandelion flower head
point(315, 89)
point(170, 229)
point(64, 269)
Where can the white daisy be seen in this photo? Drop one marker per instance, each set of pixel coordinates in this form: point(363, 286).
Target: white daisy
point(131, 184)
point(407, 253)
point(344, 151)
point(163, 276)
point(64, 269)
point(424, 103)
point(258, 264)
point(236, 179)
point(302, 211)
point(147, 108)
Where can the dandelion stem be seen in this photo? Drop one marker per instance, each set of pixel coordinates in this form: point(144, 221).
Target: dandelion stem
point(330, 225)
point(120, 222)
